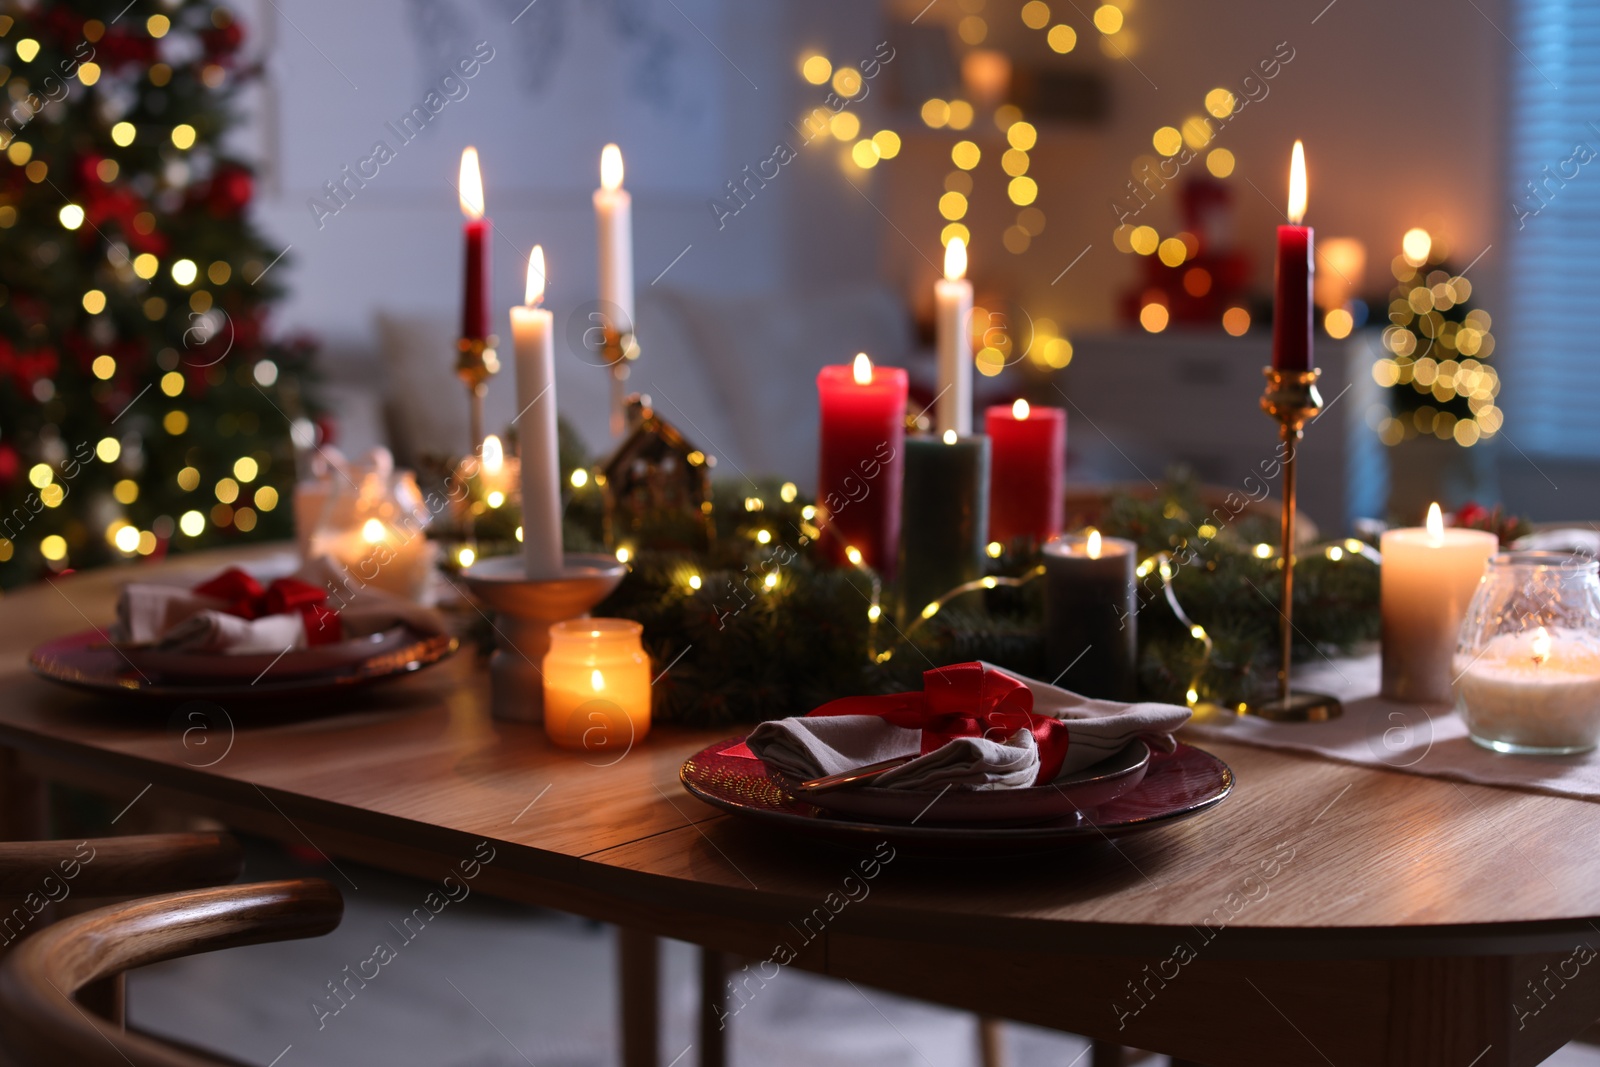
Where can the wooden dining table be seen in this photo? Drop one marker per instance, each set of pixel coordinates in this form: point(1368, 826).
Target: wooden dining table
point(1324, 913)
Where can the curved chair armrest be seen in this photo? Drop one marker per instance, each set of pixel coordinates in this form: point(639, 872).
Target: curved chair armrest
point(41, 1024)
point(117, 866)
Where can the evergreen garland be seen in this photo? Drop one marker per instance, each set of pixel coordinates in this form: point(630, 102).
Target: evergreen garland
point(730, 648)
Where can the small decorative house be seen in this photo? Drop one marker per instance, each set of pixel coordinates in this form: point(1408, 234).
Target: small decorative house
point(657, 486)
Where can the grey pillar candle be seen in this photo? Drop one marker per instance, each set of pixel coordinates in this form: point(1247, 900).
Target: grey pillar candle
point(944, 511)
point(1091, 636)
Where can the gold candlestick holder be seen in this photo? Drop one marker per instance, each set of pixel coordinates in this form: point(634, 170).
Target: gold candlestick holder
point(1291, 398)
point(476, 363)
point(618, 349)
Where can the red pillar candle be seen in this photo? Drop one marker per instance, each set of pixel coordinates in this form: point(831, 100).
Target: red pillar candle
point(475, 294)
point(1027, 479)
point(1292, 308)
point(861, 467)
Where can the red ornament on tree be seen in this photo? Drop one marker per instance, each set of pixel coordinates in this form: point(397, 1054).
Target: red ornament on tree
point(231, 189)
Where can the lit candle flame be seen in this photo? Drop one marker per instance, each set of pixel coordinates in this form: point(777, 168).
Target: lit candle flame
point(1093, 547)
point(1019, 410)
point(372, 531)
point(1541, 645)
point(862, 369)
point(1297, 184)
point(471, 184)
point(494, 456)
point(534, 294)
point(597, 681)
point(949, 437)
point(1435, 523)
point(955, 259)
point(611, 168)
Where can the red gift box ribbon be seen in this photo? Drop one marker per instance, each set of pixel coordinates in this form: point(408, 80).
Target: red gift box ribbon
point(965, 700)
point(247, 598)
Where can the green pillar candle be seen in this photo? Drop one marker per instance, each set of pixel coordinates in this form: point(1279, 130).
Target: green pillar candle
point(944, 517)
point(1090, 616)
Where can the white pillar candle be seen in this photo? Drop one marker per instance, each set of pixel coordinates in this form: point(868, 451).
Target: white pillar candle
point(1429, 575)
point(532, 331)
point(953, 309)
point(613, 212)
point(1539, 689)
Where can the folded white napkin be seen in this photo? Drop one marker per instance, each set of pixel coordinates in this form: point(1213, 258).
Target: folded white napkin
point(175, 618)
point(808, 747)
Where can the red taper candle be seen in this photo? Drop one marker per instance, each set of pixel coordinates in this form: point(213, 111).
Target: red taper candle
point(475, 291)
point(1292, 307)
point(1027, 472)
point(861, 468)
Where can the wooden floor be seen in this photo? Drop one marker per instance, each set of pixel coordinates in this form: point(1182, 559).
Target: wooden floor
point(486, 984)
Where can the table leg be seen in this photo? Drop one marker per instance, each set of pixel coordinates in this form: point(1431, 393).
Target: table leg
point(639, 980)
point(991, 1041)
point(24, 801)
point(713, 1008)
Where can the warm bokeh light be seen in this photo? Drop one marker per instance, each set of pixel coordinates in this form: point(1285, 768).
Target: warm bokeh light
point(816, 69)
point(1036, 14)
point(1297, 184)
point(955, 259)
point(470, 185)
point(1167, 140)
point(1236, 321)
point(935, 113)
point(1172, 252)
point(1196, 131)
point(1153, 317)
point(183, 136)
point(864, 154)
point(533, 293)
point(1338, 323)
point(1022, 190)
point(844, 126)
point(887, 142)
point(953, 231)
point(1219, 161)
point(965, 155)
point(1144, 240)
point(1108, 19)
point(1062, 38)
point(953, 206)
point(1022, 135)
point(611, 167)
point(961, 114)
point(1416, 246)
point(1219, 102)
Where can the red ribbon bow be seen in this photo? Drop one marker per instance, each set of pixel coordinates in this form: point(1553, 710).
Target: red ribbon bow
point(965, 700)
point(248, 599)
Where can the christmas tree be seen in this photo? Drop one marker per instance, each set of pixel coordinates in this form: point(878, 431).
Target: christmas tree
point(1437, 369)
point(143, 408)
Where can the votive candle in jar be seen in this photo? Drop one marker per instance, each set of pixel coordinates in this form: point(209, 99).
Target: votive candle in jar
point(1528, 661)
point(596, 685)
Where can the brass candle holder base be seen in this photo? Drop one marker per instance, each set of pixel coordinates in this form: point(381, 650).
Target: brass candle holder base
point(523, 613)
point(1300, 706)
point(1291, 398)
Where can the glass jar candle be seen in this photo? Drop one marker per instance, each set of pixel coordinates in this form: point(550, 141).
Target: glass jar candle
point(596, 685)
point(1527, 663)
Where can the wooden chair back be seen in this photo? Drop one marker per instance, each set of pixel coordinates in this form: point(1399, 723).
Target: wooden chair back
point(41, 1025)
